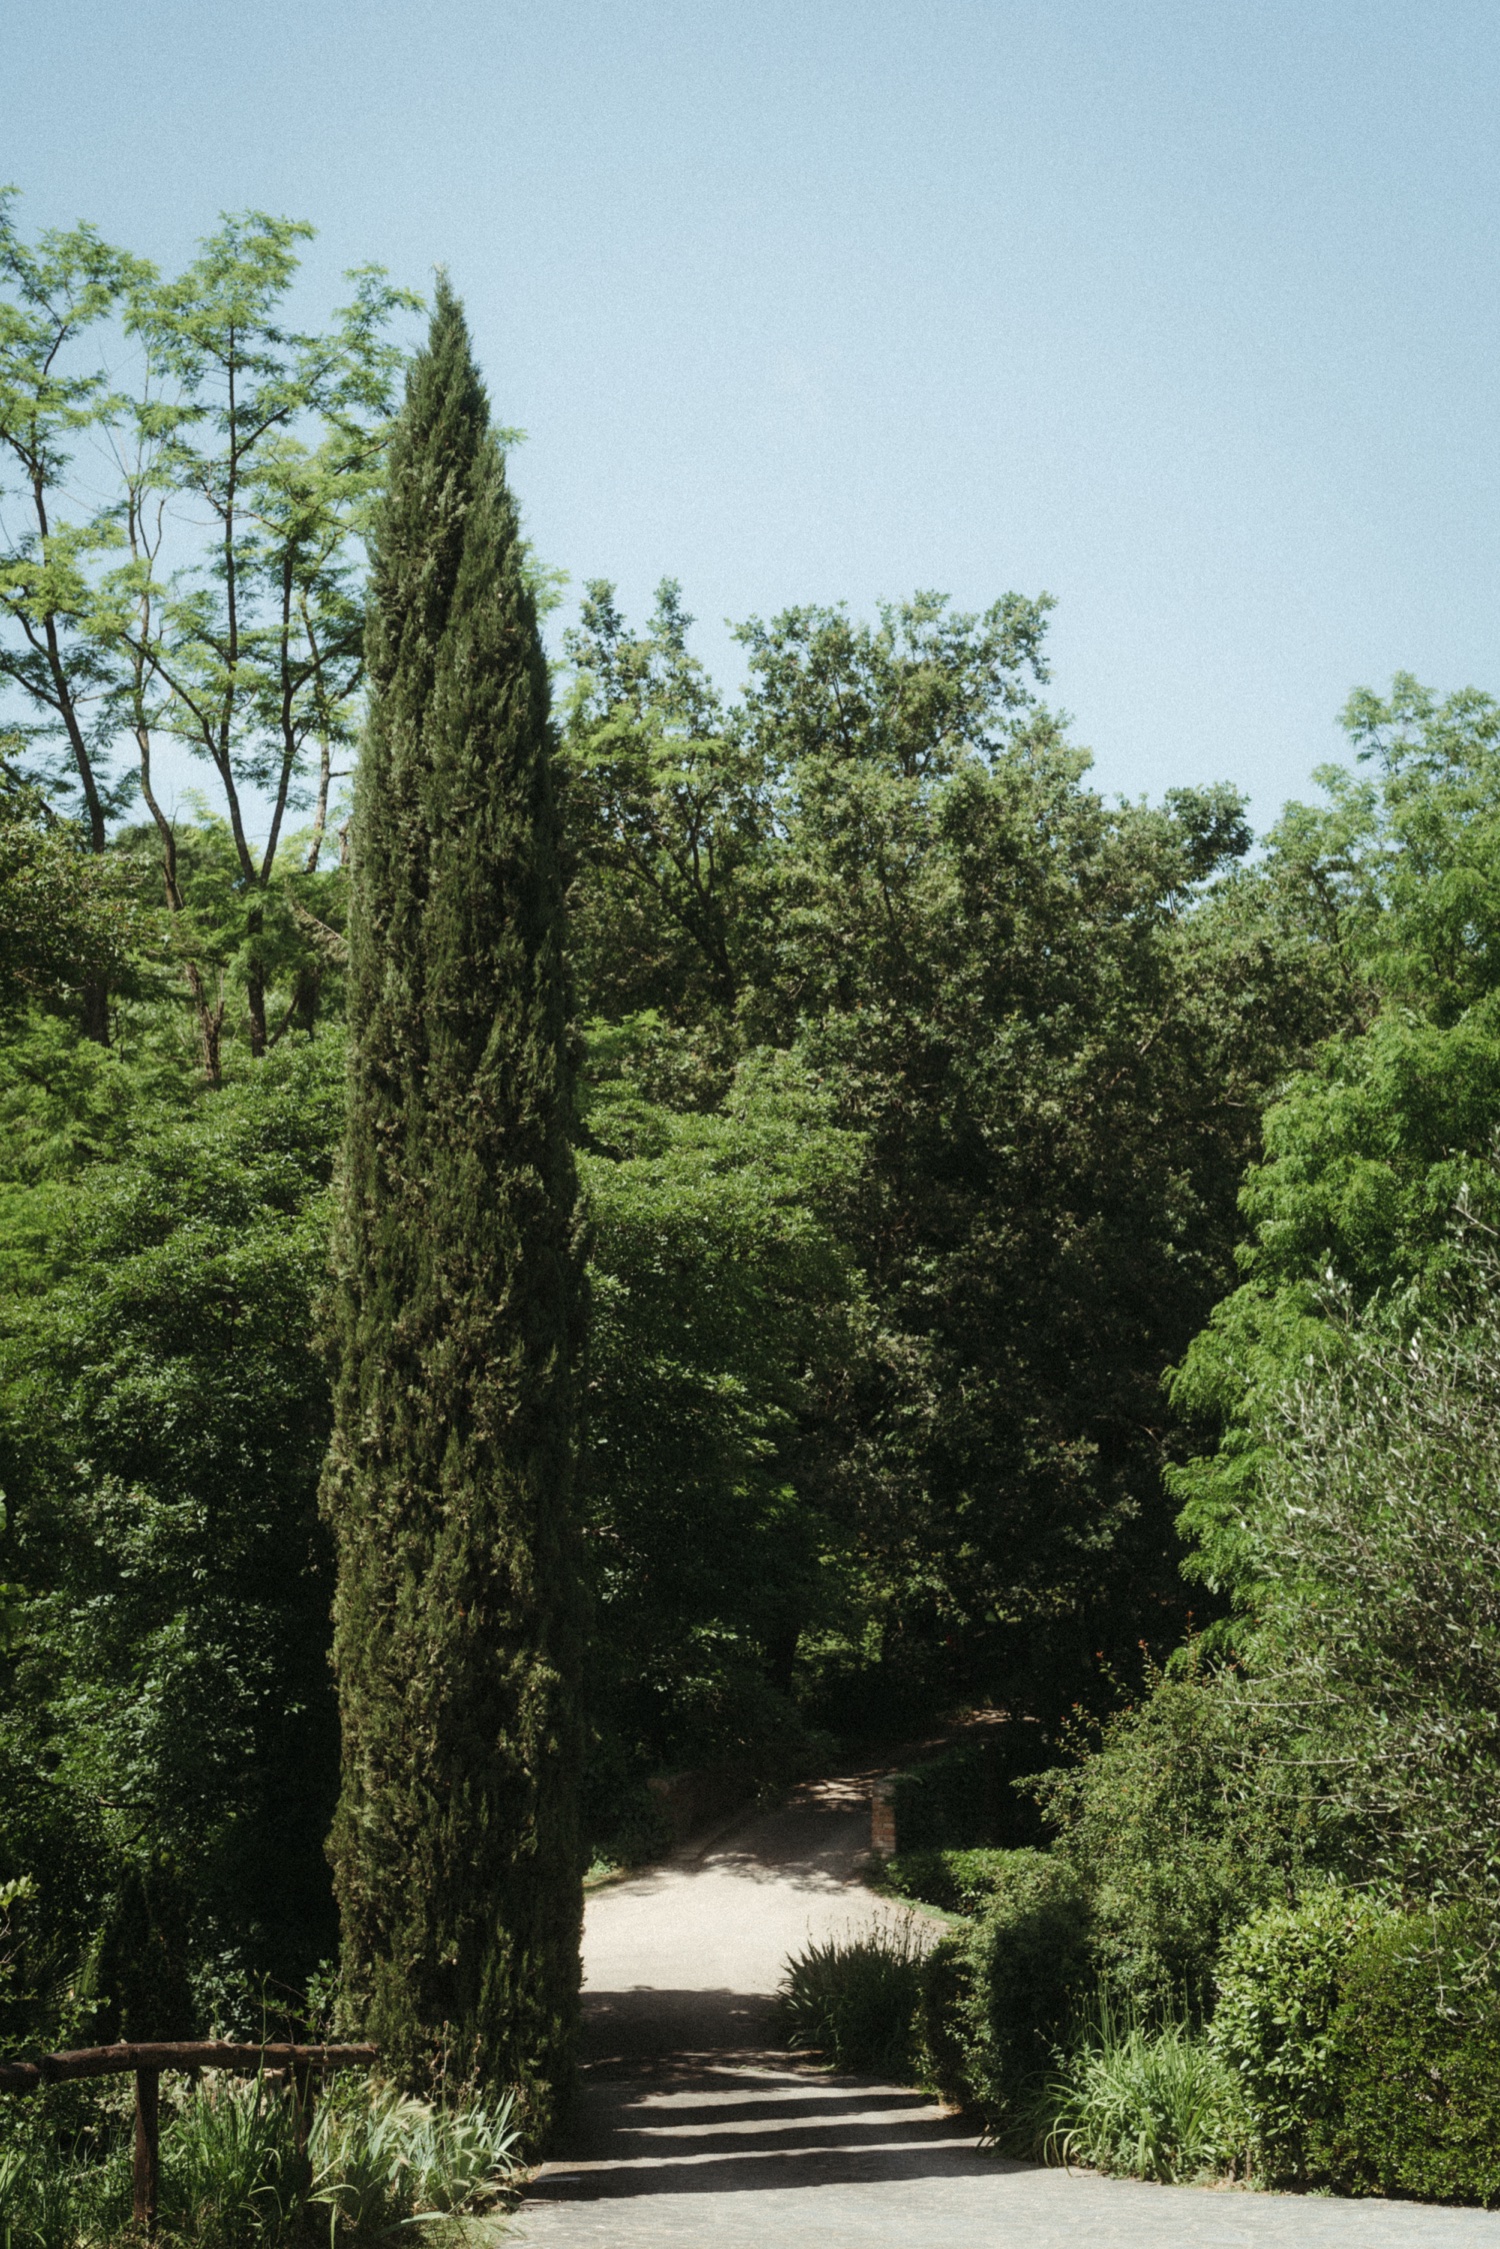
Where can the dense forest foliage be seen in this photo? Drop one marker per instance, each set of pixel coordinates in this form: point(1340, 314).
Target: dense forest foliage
point(1024, 1229)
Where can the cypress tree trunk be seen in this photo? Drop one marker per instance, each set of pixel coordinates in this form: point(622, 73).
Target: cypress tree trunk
point(457, 1626)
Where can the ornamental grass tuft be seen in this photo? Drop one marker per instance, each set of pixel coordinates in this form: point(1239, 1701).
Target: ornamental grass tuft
point(1143, 2101)
point(854, 2000)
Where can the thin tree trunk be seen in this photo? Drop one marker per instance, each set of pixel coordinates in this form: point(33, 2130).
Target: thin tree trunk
point(95, 988)
point(320, 809)
point(255, 980)
point(96, 1010)
point(210, 1020)
point(210, 1024)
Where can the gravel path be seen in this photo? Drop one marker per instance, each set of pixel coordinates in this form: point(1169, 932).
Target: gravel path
point(694, 2130)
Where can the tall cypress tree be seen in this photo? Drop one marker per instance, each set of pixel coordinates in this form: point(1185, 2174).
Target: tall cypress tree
point(458, 1294)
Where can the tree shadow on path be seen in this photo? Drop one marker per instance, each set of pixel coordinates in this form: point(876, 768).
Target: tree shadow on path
point(714, 2123)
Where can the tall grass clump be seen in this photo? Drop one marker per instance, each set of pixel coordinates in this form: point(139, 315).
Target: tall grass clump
point(1143, 2101)
point(57, 2195)
point(854, 2000)
point(233, 2176)
point(384, 2161)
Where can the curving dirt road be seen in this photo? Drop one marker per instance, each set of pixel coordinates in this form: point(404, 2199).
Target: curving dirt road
point(693, 2130)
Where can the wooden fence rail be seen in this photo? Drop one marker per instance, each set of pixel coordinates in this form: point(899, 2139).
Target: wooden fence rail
point(303, 2064)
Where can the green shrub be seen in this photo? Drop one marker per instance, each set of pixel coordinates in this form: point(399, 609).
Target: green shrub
point(1279, 1993)
point(953, 1881)
point(855, 2001)
point(966, 1797)
point(997, 1998)
point(1370, 1553)
point(1366, 2044)
point(1172, 1836)
point(1416, 2041)
point(1145, 2102)
point(945, 2007)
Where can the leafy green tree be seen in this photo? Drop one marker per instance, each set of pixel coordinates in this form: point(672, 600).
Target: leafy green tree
point(169, 1738)
point(67, 916)
point(51, 297)
point(449, 1484)
point(167, 1727)
point(1375, 1560)
point(1369, 1149)
point(182, 562)
point(248, 653)
point(1048, 1025)
point(727, 1321)
point(669, 810)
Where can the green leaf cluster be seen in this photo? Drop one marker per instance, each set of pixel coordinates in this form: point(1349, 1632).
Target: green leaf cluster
point(167, 1728)
point(181, 565)
point(1044, 1026)
point(1370, 1150)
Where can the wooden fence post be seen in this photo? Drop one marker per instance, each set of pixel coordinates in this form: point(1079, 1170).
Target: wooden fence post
point(147, 2167)
point(304, 2067)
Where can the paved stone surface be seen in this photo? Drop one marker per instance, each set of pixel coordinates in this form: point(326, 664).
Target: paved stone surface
point(692, 2130)
point(745, 2151)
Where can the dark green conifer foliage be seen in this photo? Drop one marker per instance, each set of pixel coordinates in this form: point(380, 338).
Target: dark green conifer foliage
point(457, 1621)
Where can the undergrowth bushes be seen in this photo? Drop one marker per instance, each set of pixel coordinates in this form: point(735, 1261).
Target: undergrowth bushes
point(1169, 1824)
point(1336, 2038)
point(979, 2012)
point(232, 2176)
point(997, 1997)
point(1366, 2042)
point(953, 1881)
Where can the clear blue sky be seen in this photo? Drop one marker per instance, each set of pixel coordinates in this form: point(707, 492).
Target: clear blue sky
point(1186, 313)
